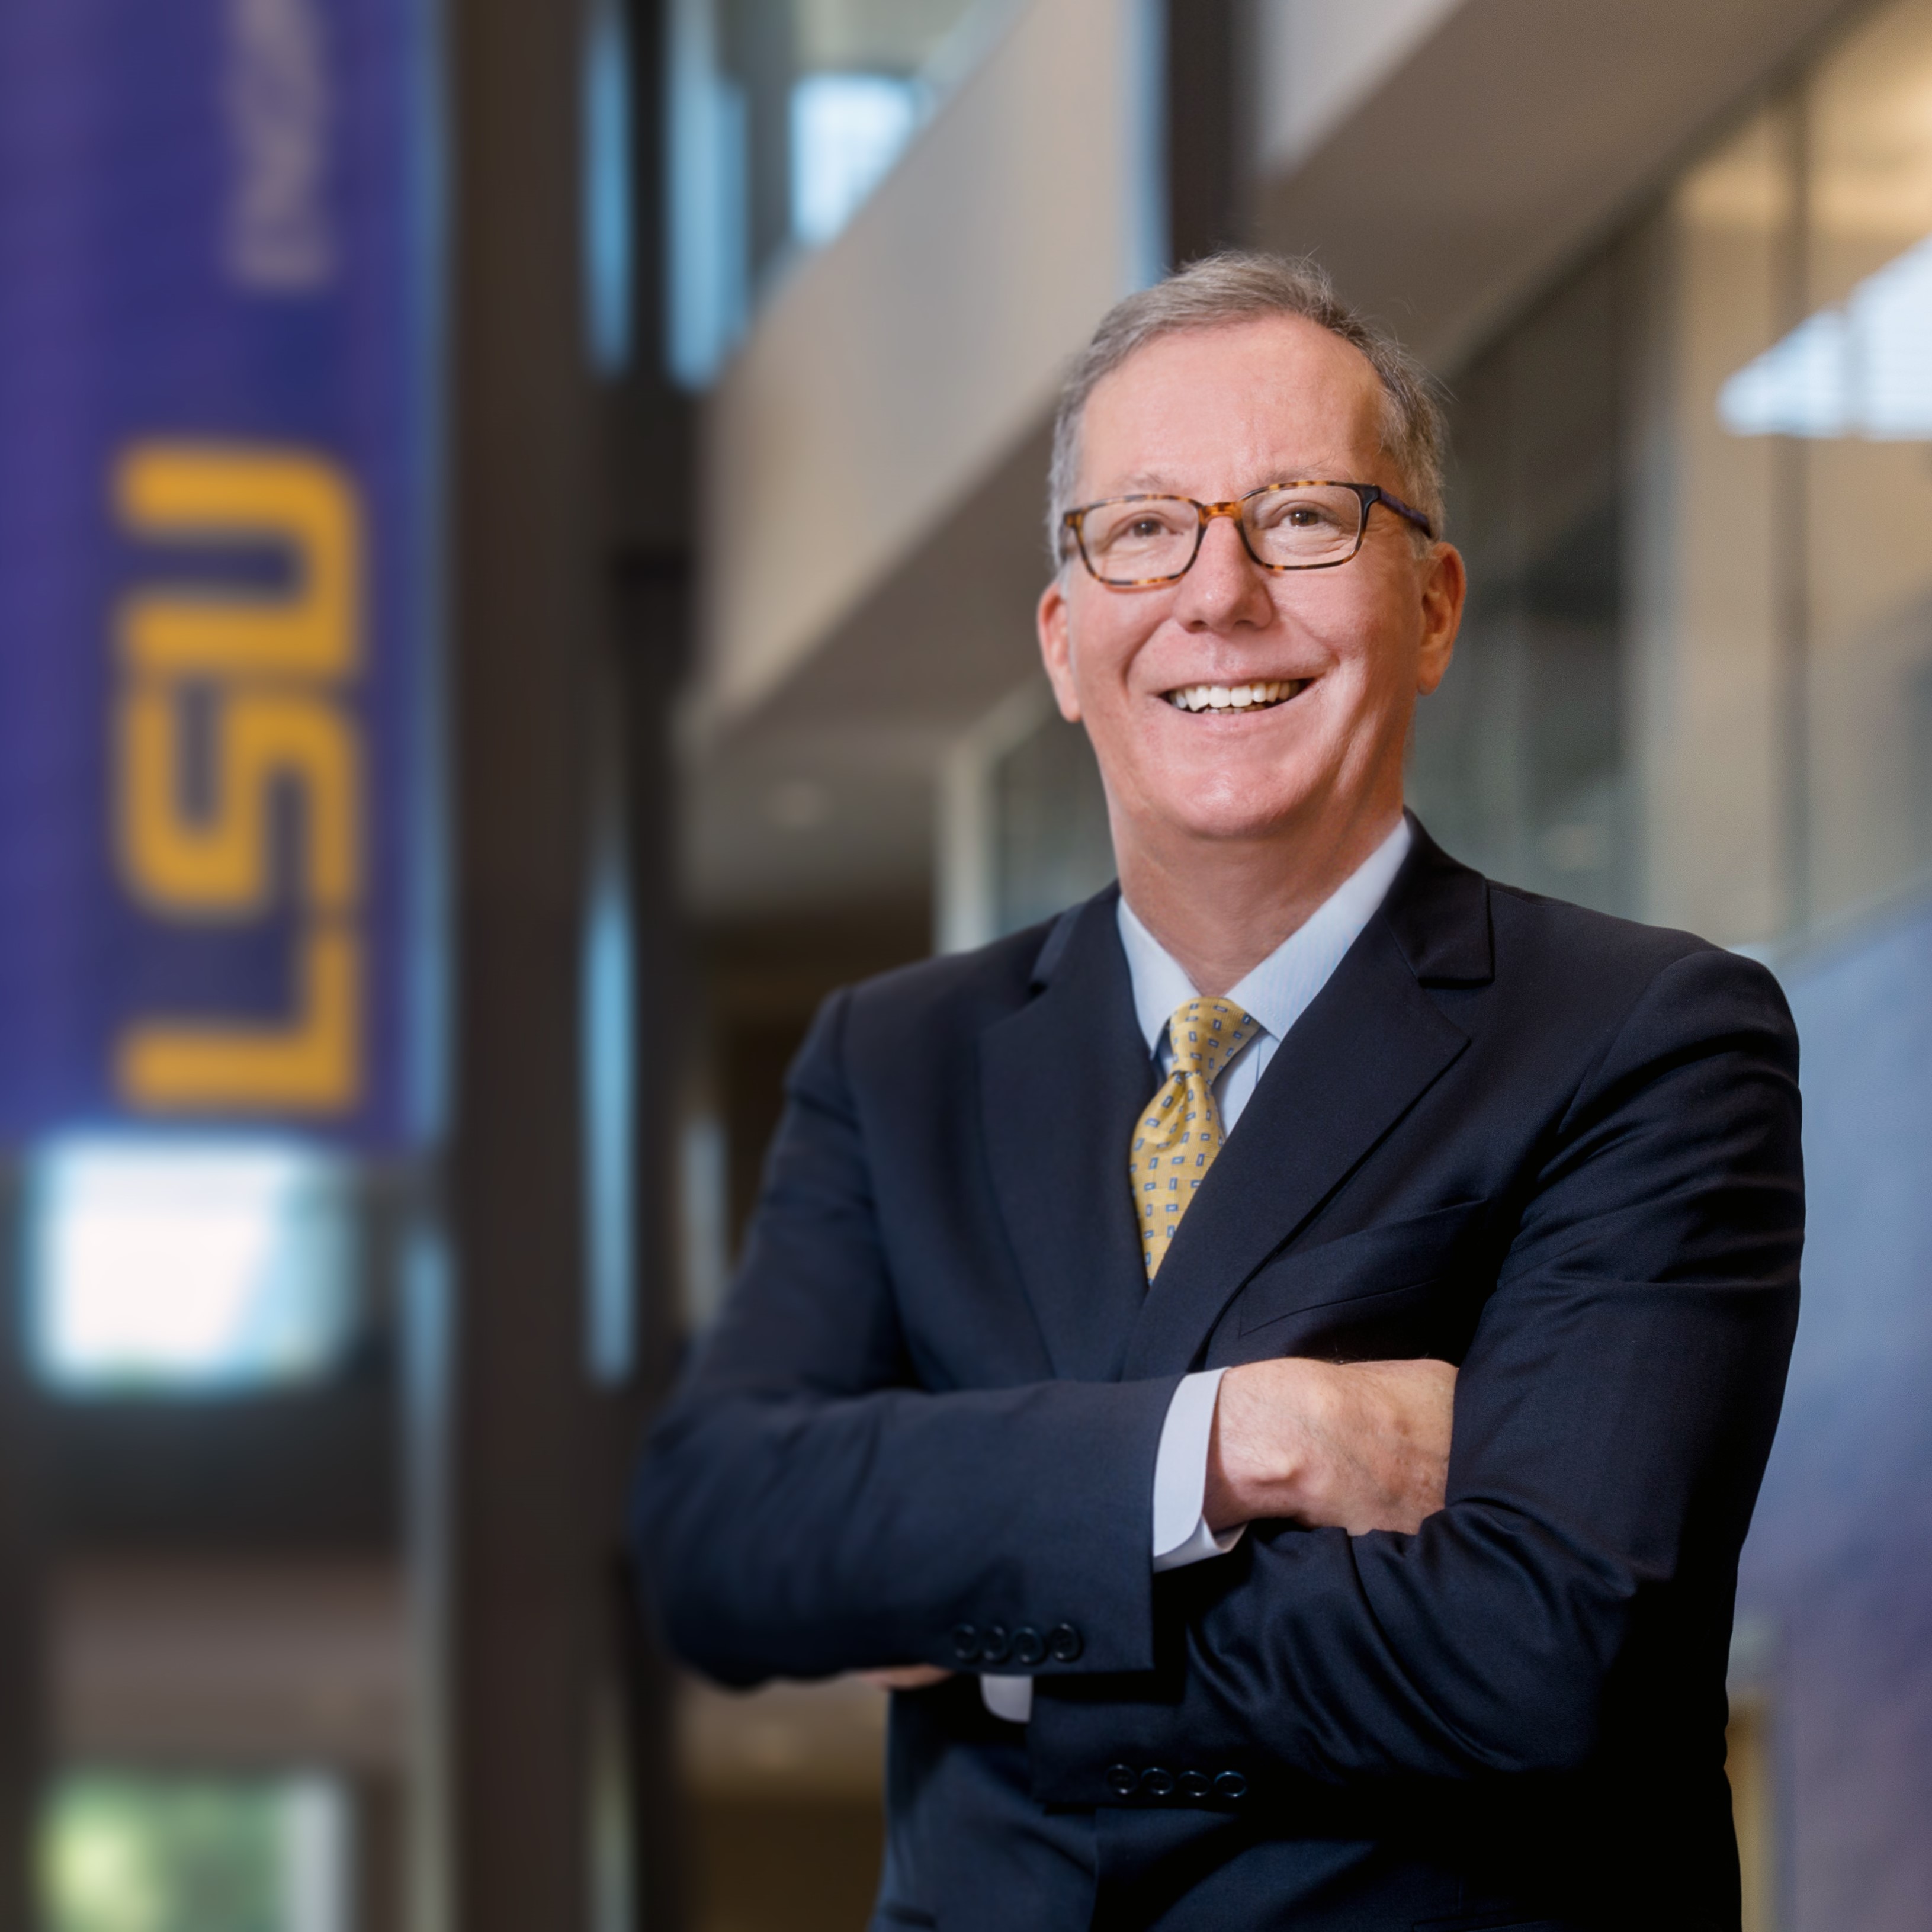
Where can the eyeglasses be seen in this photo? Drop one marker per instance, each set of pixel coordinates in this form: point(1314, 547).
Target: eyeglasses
point(1130, 542)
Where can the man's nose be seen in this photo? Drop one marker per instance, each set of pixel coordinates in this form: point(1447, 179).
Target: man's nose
point(1226, 587)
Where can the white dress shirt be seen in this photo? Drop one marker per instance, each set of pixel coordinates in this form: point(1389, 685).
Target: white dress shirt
point(1275, 994)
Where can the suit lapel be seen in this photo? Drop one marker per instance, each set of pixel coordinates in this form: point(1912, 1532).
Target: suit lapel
point(1060, 1082)
point(1368, 1046)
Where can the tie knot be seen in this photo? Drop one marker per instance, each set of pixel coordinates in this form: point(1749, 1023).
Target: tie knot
point(1206, 1034)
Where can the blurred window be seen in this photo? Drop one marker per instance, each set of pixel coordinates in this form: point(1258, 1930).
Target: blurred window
point(1860, 572)
point(607, 162)
point(187, 1267)
point(1522, 764)
point(1863, 367)
point(1693, 485)
point(785, 115)
point(607, 1045)
point(180, 1852)
point(847, 130)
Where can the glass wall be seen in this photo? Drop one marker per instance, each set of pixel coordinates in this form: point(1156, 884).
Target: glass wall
point(1523, 762)
point(1695, 683)
point(1865, 260)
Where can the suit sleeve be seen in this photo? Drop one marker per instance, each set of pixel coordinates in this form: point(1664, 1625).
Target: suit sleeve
point(803, 1508)
point(1613, 1416)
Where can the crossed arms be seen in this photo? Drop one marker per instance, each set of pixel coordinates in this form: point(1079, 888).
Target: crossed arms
point(817, 1500)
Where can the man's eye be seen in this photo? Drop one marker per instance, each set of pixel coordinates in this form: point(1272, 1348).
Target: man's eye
point(1143, 527)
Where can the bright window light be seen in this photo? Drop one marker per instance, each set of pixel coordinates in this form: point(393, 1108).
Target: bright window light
point(1861, 368)
point(192, 1266)
point(169, 1853)
point(847, 130)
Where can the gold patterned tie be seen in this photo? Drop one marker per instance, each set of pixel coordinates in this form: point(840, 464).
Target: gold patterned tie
point(1176, 1139)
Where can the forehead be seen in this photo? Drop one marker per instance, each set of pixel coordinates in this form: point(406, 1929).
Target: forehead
point(1222, 408)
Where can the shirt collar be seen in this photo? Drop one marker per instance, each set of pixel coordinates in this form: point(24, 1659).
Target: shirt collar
point(1278, 990)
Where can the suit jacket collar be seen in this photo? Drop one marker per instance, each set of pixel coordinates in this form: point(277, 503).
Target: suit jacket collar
point(1438, 912)
point(1061, 1081)
point(1063, 1078)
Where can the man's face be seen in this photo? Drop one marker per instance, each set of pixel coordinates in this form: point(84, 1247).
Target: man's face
point(1213, 414)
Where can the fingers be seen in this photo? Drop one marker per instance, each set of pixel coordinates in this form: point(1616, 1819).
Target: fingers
point(906, 1677)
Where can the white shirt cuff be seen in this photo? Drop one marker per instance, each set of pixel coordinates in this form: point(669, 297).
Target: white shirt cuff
point(1008, 1697)
point(1180, 1532)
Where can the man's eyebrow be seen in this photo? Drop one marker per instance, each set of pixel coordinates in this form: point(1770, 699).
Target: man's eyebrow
point(1153, 482)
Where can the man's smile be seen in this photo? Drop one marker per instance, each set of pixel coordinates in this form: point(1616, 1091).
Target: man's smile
point(1260, 694)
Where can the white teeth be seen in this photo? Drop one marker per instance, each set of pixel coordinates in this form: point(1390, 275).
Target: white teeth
point(1234, 698)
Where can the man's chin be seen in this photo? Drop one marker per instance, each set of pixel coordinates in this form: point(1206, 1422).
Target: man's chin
point(1213, 823)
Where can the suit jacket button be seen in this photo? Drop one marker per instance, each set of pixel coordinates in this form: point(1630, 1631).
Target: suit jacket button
point(1195, 1784)
point(1156, 1783)
point(1029, 1646)
point(994, 1644)
point(1230, 1784)
point(1122, 1779)
point(966, 1643)
point(1065, 1643)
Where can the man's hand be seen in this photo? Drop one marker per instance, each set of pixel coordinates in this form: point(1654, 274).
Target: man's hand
point(1360, 1446)
point(906, 1677)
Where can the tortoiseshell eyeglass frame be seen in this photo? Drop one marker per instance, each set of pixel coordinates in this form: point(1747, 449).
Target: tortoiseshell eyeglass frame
point(1370, 494)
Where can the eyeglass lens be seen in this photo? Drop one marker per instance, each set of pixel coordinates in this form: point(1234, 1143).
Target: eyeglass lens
point(1299, 528)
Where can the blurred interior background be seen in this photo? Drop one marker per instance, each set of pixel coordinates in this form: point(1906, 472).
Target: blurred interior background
point(519, 524)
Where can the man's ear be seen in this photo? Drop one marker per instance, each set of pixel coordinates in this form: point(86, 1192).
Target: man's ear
point(1052, 618)
point(1444, 589)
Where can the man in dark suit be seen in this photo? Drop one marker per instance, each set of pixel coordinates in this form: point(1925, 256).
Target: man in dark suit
point(1089, 1371)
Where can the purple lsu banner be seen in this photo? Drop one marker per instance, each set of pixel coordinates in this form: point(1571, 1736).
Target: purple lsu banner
point(215, 566)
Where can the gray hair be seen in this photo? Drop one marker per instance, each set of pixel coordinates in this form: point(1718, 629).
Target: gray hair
point(1231, 287)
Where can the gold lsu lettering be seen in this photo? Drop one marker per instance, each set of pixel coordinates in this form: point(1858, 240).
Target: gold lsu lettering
point(273, 668)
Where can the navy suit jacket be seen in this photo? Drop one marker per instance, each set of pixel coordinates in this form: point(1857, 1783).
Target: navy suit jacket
point(1557, 1149)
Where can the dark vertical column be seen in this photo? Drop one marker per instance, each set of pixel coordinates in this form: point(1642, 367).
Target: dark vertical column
point(1209, 148)
point(653, 613)
point(505, 1510)
point(648, 578)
